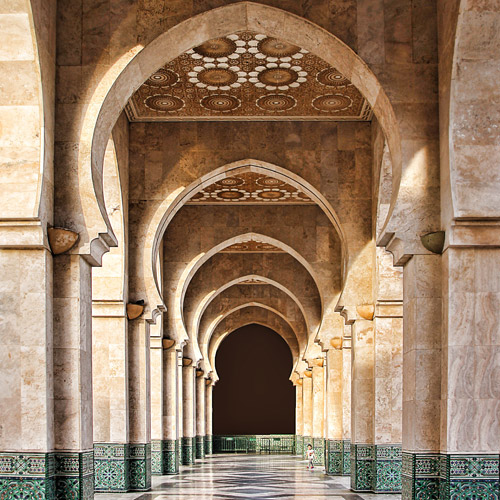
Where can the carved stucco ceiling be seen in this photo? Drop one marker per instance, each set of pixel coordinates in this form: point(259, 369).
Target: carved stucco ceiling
point(252, 246)
point(250, 188)
point(247, 76)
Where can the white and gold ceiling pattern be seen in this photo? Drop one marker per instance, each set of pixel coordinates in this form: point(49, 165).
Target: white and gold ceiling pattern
point(247, 76)
point(250, 188)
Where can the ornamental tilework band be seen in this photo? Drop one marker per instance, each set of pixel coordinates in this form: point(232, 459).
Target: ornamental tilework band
point(156, 457)
point(469, 477)
point(307, 440)
point(450, 477)
point(200, 447)
point(333, 457)
point(171, 456)
point(299, 444)
point(27, 475)
point(362, 466)
point(319, 449)
point(346, 457)
point(75, 475)
point(140, 467)
point(208, 445)
point(387, 469)
point(111, 467)
point(187, 451)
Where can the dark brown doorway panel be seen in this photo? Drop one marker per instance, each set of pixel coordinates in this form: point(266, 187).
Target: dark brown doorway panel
point(254, 394)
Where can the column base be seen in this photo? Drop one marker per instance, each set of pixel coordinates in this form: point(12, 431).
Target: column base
point(362, 467)
point(445, 477)
point(187, 451)
point(200, 447)
point(299, 445)
point(307, 440)
point(333, 456)
point(319, 448)
point(27, 475)
point(209, 449)
point(164, 457)
point(140, 467)
point(111, 467)
point(346, 457)
point(387, 468)
point(74, 475)
point(376, 468)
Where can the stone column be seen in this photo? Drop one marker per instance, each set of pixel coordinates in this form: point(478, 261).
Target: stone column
point(346, 401)
point(307, 407)
point(170, 444)
point(334, 367)
point(470, 372)
point(110, 396)
point(388, 323)
point(188, 414)
point(140, 405)
point(179, 404)
point(422, 376)
point(200, 414)
point(157, 391)
point(363, 403)
point(318, 412)
point(209, 415)
point(299, 418)
point(73, 377)
point(27, 368)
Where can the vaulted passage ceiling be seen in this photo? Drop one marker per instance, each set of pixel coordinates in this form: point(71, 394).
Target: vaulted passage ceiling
point(248, 76)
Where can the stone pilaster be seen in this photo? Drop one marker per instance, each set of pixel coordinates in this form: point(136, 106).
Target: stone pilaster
point(299, 445)
point(209, 445)
point(208, 417)
point(189, 424)
point(318, 413)
point(299, 418)
point(200, 414)
point(170, 442)
point(363, 401)
point(307, 408)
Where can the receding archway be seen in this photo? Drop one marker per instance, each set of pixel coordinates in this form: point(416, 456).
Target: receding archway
point(254, 394)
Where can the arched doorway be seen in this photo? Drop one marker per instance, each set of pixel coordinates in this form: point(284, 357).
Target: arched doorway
point(254, 394)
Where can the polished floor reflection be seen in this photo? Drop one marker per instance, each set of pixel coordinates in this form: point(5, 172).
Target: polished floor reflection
point(248, 477)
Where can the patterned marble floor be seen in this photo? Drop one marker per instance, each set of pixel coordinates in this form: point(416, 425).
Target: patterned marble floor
point(237, 477)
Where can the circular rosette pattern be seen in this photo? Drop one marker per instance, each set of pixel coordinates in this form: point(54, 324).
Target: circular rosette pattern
point(220, 102)
point(164, 103)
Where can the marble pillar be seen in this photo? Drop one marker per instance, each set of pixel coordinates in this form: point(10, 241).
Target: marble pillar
point(110, 396)
point(422, 311)
point(307, 406)
point(27, 370)
point(188, 414)
point(346, 401)
point(318, 413)
point(334, 445)
point(299, 419)
point(388, 322)
point(470, 373)
point(140, 405)
point(363, 402)
point(170, 444)
point(200, 414)
point(73, 377)
point(208, 417)
point(157, 391)
point(179, 405)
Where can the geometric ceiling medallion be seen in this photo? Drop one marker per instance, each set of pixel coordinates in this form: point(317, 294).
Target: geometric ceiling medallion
point(218, 47)
point(329, 103)
point(220, 102)
point(332, 78)
point(164, 102)
point(162, 78)
point(247, 76)
point(250, 188)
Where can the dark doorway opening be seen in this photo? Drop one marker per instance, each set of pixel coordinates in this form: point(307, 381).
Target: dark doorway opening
point(254, 394)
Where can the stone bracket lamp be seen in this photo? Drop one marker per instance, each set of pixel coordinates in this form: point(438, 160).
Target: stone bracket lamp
point(186, 361)
point(135, 309)
point(434, 242)
point(199, 373)
point(167, 343)
point(61, 239)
